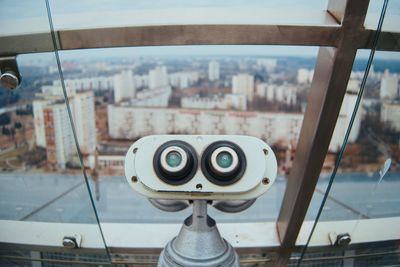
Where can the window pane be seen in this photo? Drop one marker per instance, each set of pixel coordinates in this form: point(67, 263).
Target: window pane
point(392, 16)
point(40, 173)
point(366, 183)
point(252, 90)
point(84, 14)
point(15, 14)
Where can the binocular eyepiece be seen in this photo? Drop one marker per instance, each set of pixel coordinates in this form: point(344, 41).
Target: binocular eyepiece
point(175, 162)
point(222, 162)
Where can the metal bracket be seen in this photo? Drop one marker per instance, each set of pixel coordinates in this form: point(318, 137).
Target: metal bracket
point(10, 77)
point(72, 241)
point(199, 243)
point(339, 239)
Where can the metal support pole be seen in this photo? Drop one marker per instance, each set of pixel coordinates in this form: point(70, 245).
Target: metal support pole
point(198, 243)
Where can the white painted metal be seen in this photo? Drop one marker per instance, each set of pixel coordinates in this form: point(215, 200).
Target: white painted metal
point(142, 236)
point(250, 186)
point(49, 234)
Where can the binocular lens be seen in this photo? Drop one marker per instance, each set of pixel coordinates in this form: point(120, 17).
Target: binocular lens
point(174, 159)
point(224, 159)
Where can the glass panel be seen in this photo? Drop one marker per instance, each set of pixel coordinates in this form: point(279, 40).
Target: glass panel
point(40, 171)
point(392, 16)
point(134, 92)
point(139, 91)
point(15, 14)
point(84, 14)
point(343, 203)
point(367, 178)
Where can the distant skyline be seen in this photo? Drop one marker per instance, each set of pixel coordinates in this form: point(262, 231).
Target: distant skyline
point(200, 50)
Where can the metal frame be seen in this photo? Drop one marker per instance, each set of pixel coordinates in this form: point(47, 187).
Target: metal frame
point(249, 238)
point(339, 44)
point(332, 72)
point(326, 32)
point(193, 35)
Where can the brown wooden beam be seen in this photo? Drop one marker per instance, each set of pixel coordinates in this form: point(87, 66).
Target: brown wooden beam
point(332, 72)
point(295, 35)
point(194, 35)
point(388, 41)
point(200, 35)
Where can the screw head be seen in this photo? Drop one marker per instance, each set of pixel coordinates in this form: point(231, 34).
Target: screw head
point(69, 242)
point(265, 180)
point(9, 80)
point(343, 239)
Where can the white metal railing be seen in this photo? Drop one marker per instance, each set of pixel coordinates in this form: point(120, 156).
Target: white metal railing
point(240, 235)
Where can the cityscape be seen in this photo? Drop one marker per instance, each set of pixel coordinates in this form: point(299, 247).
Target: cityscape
point(97, 76)
point(115, 102)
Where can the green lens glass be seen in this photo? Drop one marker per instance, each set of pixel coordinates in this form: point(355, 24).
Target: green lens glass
point(174, 159)
point(224, 159)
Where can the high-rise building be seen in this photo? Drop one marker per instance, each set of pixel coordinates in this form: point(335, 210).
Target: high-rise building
point(124, 86)
point(213, 70)
point(280, 93)
point(270, 93)
point(53, 129)
point(261, 89)
point(60, 146)
point(243, 84)
point(389, 86)
point(183, 79)
point(290, 96)
point(269, 64)
point(283, 93)
point(141, 81)
point(304, 75)
point(158, 77)
point(346, 111)
point(390, 115)
point(38, 106)
point(82, 106)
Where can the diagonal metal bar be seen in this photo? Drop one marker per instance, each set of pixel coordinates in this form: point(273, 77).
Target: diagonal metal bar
point(332, 72)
